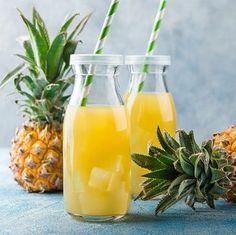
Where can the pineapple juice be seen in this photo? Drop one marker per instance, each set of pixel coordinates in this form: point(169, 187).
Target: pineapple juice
point(96, 161)
point(147, 111)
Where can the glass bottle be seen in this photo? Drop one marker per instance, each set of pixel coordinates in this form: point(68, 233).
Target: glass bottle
point(149, 108)
point(97, 160)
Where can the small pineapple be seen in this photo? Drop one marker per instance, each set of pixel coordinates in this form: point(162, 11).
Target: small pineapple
point(185, 170)
point(227, 140)
point(36, 156)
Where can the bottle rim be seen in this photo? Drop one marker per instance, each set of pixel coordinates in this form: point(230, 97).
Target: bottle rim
point(96, 59)
point(143, 59)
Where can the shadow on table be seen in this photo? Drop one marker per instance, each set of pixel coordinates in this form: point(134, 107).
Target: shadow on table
point(137, 218)
point(201, 214)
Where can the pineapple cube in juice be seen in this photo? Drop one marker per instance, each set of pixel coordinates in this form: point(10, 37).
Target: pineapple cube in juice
point(99, 179)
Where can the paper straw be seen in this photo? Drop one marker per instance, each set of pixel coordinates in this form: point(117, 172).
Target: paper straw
point(99, 49)
point(153, 41)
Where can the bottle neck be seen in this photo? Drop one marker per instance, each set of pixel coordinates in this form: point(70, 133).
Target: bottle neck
point(154, 79)
point(104, 88)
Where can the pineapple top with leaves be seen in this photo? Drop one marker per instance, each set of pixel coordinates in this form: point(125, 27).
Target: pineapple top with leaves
point(48, 75)
point(42, 80)
point(185, 170)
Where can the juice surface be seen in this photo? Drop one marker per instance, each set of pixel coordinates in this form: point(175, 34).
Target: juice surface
point(147, 111)
point(96, 161)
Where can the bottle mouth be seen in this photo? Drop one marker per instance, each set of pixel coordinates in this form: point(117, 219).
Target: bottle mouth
point(150, 60)
point(96, 59)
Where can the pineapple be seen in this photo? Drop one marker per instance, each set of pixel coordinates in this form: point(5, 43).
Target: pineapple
point(227, 140)
point(185, 170)
point(42, 80)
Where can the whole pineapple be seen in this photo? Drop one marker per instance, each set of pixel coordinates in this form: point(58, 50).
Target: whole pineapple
point(36, 156)
point(185, 170)
point(227, 140)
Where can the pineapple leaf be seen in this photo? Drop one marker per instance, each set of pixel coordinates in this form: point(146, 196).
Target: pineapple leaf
point(166, 202)
point(68, 22)
point(39, 44)
point(190, 201)
point(147, 162)
point(185, 186)
point(169, 200)
point(185, 141)
point(28, 60)
point(168, 159)
point(205, 158)
point(194, 145)
point(165, 159)
point(150, 183)
point(218, 190)
point(176, 183)
point(208, 145)
point(39, 22)
point(51, 91)
point(163, 142)
point(166, 174)
point(156, 191)
point(178, 167)
point(79, 28)
point(197, 168)
point(171, 141)
point(185, 165)
point(64, 100)
point(54, 56)
point(210, 201)
point(17, 82)
point(193, 158)
point(11, 75)
point(25, 42)
point(28, 81)
point(222, 163)
point(228, 169)
point(216, 175)
point(66, 83)
point(69, 49)
point(199, 193)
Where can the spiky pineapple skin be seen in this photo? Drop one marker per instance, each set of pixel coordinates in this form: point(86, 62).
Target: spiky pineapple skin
point(227, 140)
point(36, 157)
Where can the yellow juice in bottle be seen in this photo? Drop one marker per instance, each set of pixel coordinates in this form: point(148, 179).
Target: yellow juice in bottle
point(147, 111)
point(96, 161)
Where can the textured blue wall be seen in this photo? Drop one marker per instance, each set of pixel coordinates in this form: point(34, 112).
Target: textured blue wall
point(199, 35)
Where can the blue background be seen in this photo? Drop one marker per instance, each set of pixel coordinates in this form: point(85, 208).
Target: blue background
point(199, 35)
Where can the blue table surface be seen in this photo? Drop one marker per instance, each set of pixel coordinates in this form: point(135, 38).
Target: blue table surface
point(24, 213)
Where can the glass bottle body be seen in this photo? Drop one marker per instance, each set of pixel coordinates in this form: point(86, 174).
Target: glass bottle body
point(149, 108)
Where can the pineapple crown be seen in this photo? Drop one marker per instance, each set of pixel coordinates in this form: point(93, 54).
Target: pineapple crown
point(48, 76)
point(184, 170)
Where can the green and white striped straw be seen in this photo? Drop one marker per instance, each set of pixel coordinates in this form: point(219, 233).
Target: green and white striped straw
point(153, 41)
point(99, 49)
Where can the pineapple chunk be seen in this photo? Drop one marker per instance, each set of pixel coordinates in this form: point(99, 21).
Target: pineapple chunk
point(100, 179)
